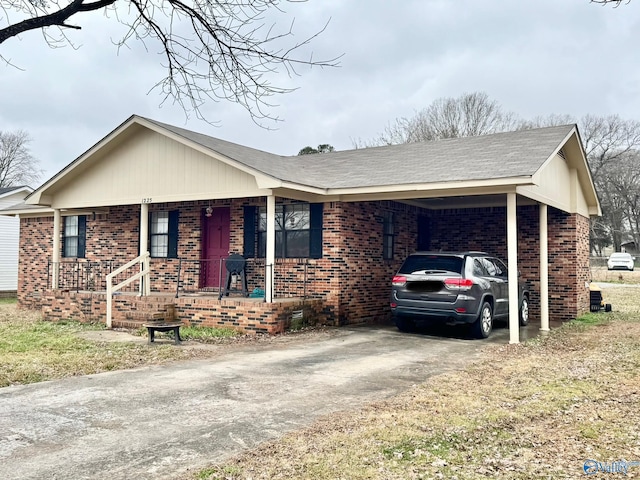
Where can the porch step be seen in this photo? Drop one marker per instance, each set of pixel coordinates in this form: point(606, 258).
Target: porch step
point(130, 324)
point(144, 313)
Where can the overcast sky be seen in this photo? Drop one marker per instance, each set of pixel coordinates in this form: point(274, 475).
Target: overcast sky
point(535, 57)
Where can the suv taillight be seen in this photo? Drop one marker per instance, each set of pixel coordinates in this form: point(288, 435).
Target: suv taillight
point(458, 283)
point(399, 281)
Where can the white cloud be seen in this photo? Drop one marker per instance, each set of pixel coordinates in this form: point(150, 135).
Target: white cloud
point(535, 58)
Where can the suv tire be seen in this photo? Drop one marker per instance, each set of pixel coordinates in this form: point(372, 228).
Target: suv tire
point(483, 326)
point(524, 311)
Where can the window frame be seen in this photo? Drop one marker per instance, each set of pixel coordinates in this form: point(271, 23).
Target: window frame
point(79, 236)
point(171, 234)
point(255, 233)
point(285, 236)
point(388, 235)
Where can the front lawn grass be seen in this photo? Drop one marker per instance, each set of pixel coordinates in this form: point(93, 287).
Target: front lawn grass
point(32, 350)
point(534, 410)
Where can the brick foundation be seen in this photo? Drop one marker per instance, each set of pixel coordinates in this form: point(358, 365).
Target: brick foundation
point(251, 316)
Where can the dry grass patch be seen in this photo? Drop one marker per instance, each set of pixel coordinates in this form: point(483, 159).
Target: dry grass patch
point(602, 274)
point(33, 351)
point(535, 410)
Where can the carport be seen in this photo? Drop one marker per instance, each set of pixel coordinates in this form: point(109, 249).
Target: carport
point(535, 169)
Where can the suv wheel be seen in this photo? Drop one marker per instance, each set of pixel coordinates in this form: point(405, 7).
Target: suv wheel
point(484, 324)
point(524, 311)
point(404, 325)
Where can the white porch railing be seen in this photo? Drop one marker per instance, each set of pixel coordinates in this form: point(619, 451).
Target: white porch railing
point(145, 289)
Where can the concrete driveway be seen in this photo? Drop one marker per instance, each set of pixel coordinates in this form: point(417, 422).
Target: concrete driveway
point(162, 422)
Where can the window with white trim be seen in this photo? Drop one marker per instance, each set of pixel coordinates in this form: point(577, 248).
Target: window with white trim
point(74, 236)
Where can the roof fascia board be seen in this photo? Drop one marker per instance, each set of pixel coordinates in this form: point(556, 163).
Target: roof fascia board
point(302, 188)
point(584, 174)
point(452, 189)
point(303, 195)
point(451, 203)
point(27, 212)
point(48, 212)
point(173, 198)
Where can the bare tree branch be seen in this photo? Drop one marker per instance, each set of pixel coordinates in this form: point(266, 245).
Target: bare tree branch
point(213, 50)
point(17, 165)
point(467, 115)
point(615, 3)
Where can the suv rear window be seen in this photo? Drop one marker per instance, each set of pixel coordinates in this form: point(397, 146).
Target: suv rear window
point(419, 263)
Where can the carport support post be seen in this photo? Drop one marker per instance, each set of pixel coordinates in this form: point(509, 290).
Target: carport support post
point(144, 247)
point(55, 258)
point(544, 270)
point(270, 257)
point(512, 254)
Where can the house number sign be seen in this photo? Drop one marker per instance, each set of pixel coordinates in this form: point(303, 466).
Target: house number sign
point(147, 200)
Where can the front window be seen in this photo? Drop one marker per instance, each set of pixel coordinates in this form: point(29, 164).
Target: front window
point(70, 236)
point(159, 234)
point(388, 235)
point(74, 231)
point(292, 231)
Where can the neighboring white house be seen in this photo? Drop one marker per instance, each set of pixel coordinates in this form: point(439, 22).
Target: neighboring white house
point(9, 238)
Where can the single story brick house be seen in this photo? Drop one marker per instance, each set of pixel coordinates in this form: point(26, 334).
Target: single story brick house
point(321, 235)
point(9, 236)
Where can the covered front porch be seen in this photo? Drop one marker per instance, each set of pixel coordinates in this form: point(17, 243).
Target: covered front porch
point(251, 315)
point(176, 289)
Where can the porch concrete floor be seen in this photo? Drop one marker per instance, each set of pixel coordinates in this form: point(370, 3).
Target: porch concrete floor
point(164, 422)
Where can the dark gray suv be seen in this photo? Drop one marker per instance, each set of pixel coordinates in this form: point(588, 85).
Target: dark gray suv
point(454, 288)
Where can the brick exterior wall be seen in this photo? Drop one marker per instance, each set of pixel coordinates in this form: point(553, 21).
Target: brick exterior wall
point(569, 272)
point(36, 240)
point(351, 278)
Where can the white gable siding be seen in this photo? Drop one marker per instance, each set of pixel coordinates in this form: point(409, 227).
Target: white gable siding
point(152, 166)
point(558, 186)
point(9, 240)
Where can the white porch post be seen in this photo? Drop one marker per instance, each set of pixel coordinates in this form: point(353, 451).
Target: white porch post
point(544, 270)
point(144, 246)
point(270, 257)
point(512, 253)
point(55, 257)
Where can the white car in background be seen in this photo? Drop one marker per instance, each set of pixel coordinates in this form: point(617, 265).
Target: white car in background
point(620, 261)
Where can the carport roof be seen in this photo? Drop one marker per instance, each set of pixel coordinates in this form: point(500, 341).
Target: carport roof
point(502, 155)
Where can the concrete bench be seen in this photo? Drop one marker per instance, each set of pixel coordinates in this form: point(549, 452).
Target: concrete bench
point(152, 328)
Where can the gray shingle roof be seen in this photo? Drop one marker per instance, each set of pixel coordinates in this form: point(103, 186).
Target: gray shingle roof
point(501, 155)
point(4, 190)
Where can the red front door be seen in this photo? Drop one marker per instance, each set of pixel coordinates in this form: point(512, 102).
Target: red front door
point(215, 245)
